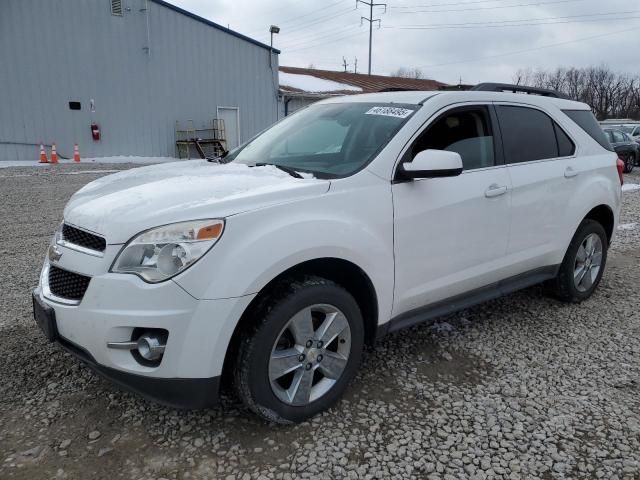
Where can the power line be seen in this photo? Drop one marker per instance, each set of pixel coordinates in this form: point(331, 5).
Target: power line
point(532, 4)
point(291, 19)
point(621, 19)
point(305, 26)
point(316, 20)
point(296, 40)
point(516, 23)
point(314, 44)
point(371, 21)
point(542, 47)
point(453, 4)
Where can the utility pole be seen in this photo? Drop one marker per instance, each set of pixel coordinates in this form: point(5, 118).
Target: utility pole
point(345, 64)
point(371, 20)
point(355, 65)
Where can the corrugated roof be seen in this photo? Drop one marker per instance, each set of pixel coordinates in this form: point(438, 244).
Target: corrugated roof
point(368, 83)
point(213, 24)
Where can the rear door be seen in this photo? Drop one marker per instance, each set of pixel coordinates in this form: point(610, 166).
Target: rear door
point(541, 161)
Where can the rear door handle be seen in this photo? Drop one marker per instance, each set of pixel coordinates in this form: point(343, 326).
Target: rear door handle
point(570, 172)
point(495, 190)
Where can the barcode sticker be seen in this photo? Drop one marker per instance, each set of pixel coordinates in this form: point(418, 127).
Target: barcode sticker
point(390, 112)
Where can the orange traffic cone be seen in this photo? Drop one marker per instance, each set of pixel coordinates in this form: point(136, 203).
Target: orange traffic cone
point(43, 155)
point(54, 154)
point(76, 153)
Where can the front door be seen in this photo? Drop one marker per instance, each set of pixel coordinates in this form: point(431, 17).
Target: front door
point(451, 233)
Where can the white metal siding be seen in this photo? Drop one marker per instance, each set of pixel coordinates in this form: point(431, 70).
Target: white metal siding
point(55, 52)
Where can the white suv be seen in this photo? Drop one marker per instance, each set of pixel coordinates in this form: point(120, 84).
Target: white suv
point(353, 218)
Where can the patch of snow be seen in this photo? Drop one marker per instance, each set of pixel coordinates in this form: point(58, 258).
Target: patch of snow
point(89, 172)
point(118, 159)
point(309, 83)
point(441, 327)
point(628, 226)
point(630, 187)
point(133, 200)
point(130, 159)
point(21, 163)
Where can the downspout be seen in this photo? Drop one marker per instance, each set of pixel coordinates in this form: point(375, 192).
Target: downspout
point(286, 105)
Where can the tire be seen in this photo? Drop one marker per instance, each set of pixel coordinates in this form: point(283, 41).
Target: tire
point(279, 326)
point(629, 162)
point(565, 286)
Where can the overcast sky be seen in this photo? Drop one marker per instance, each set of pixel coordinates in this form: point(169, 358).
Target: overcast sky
point(476, 40)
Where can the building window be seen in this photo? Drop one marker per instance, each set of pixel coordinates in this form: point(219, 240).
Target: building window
point(116, 7)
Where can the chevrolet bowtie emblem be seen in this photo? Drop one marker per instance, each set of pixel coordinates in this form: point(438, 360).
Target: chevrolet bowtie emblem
point(54, 253)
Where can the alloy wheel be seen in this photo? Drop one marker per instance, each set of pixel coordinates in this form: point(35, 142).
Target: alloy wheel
point(310, 354)
point(588, 262)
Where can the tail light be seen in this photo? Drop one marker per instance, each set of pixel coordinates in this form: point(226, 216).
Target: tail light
point(620, 165)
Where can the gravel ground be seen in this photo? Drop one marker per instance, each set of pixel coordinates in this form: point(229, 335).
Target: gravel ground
point(521, 387)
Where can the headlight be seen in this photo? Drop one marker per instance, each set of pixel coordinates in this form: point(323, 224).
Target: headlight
point(161, 253)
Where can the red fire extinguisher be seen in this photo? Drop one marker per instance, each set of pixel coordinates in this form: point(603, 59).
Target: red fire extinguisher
point(95, 131)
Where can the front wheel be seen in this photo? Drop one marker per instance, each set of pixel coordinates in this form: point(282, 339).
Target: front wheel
point(583, 264)
point(303, 350)
point(629, 162)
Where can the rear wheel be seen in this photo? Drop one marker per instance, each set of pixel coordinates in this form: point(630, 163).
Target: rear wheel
point(583, 264)
point(303, 350)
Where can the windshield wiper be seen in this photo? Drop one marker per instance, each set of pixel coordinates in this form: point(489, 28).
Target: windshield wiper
point(290, 171)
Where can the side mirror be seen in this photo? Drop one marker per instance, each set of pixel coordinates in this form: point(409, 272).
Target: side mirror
point(432, 164)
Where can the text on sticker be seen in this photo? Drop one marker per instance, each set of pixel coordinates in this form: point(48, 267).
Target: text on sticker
point(390, 112)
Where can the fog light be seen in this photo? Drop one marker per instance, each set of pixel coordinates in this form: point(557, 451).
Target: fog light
point(151, 346)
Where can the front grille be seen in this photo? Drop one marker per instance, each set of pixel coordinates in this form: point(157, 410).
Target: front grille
point(84, 239)
point(65, 284)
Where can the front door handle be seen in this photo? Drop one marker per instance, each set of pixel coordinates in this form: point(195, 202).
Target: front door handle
point(495, 190)
point(570, 172)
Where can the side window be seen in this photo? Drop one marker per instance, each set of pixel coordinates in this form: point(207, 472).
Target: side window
point(566, 148)
point(466, 131)
point(527, 134)
point(618, 137)
point(609, 135)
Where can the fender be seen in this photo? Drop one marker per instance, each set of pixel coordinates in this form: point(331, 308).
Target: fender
point(258, 246)
point(598, 188)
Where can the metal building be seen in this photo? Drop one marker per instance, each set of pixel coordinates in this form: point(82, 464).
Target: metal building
point(125, 71)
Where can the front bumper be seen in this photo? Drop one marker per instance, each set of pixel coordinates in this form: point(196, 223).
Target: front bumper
point(190, 393)
point(115, 304)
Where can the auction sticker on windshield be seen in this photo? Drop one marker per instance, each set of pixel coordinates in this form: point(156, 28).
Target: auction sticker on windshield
point(390, 112)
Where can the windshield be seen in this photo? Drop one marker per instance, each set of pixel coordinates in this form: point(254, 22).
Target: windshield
point(328, 140)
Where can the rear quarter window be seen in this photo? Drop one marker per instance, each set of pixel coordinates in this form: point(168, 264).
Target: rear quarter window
point(585, 120)
point(566, 148)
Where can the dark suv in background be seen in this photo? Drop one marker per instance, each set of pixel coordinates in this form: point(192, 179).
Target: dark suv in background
point(626, 148)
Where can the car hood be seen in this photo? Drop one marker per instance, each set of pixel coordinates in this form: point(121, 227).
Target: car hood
point(121, 205)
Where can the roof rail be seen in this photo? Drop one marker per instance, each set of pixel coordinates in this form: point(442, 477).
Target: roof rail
point(505, 87)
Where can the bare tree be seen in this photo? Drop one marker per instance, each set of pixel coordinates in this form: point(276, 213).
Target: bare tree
point(404, 72)
point(610, 94)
